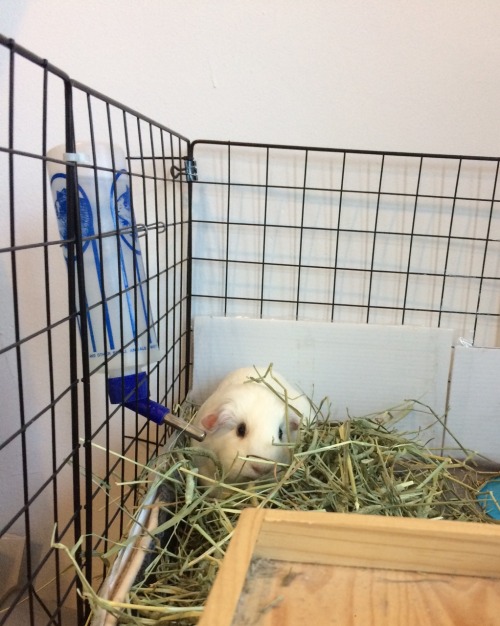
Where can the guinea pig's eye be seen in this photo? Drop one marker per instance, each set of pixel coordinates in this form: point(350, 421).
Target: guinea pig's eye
point(280, 434)
point(241, 429)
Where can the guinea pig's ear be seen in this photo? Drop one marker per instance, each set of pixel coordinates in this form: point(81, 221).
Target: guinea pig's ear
point(300, 405)
point(215, 420)
point(293, 421)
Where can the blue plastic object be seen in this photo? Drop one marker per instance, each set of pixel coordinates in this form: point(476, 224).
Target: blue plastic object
point(489, 497)
point(133, 392)
point(148, 408)
point(130, 388)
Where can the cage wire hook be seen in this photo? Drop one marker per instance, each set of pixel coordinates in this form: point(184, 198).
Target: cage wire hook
point(190, 170)
point(142, 229)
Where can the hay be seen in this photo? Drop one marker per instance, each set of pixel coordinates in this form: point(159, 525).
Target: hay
point(362, 466)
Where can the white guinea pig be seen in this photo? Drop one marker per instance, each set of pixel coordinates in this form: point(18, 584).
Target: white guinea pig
point(245, 422)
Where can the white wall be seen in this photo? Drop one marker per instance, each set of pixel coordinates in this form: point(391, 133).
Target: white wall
point(394, 75)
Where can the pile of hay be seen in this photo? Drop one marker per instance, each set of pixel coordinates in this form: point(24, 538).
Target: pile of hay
point(360, 466)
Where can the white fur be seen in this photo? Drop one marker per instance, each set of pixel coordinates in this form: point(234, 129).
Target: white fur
point(238, 400)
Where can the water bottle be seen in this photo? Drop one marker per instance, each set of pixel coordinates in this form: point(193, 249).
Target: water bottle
point(119, 320)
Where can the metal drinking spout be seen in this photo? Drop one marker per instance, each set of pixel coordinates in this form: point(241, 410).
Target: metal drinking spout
point(159, 414)
point(132, 391)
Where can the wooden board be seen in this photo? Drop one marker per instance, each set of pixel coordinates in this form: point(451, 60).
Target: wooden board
point(284, 566)
point(283, 593)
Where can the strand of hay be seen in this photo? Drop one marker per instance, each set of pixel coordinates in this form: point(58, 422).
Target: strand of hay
point(362, 466)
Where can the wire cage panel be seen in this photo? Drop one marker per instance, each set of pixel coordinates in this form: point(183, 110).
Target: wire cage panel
point(62, 441)
point(347, 236)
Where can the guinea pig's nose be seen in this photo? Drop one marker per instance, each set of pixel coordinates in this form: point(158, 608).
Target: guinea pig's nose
point(259, 468)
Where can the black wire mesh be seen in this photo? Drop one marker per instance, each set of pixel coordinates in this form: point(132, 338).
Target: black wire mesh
point(348, 236)
point(57, 423)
